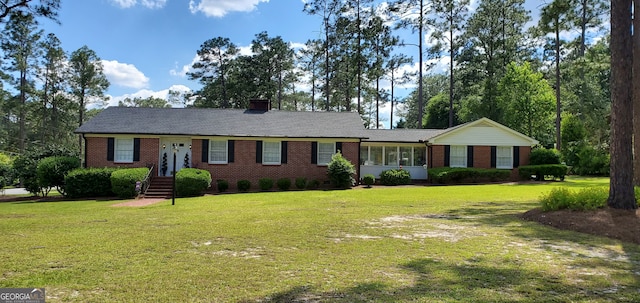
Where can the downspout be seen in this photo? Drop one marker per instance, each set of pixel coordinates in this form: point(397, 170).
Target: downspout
point(85, 151)
point(358, 167)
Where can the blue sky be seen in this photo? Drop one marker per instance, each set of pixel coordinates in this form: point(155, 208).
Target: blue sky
point(146, 45)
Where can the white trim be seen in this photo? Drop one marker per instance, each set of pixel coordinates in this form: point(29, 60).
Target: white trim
point(441, 139)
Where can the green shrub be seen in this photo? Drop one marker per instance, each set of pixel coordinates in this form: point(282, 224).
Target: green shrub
point(585, 199)
point(395, 177)
point(301, 183)
point(557, 198)
point(452, 175)
point(89, 182)
point(192, 182)
point(313, 184)
point(540, 156)
point(592, 162)
point(556, 171)
point(341, 171)
point(26, 165)
point(369, 179)
point(283, 183)
point(51, 172)
point(7, 175)
point(222, 185)
point(265, 183)
point(244, 185)
point(123, 181)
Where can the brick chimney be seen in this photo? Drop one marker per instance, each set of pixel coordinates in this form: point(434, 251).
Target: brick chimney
point(259, 104)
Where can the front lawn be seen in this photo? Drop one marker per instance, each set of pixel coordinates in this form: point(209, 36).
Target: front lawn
point(404, 244)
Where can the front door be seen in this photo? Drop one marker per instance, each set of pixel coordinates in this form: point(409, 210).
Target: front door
point(181, 147)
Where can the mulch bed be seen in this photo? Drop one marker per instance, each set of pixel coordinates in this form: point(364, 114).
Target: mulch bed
point(613, 223)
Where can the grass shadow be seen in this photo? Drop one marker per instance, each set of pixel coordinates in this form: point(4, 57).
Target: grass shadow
point(440, 281)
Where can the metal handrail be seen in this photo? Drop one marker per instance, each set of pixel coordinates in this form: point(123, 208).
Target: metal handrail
point(147, 180)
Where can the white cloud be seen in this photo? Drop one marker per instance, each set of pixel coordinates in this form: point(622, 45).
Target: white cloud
point(146, 93)
point(219, 8)
point(123, 74)
point(146, 3)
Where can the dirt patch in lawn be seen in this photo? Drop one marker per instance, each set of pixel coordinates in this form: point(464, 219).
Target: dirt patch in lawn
point(613, 223)
point(139, 202)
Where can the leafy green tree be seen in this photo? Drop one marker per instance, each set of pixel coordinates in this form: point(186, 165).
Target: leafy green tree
point(494, 37)
point(432, 85)
point(212, 70)
point(87, 82)
point(26, 165)
point(20, 43)
point(52, 170)
point(144, 102)
point(437, 115)
point(526, 99)
point(555, 18)
point(273, 58)
point(448, 23)
point(44, 8)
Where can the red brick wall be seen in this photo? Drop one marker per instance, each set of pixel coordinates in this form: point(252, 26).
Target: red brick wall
point(245, 166)
point(482, 156)
point(97, 153)
point(436, 157)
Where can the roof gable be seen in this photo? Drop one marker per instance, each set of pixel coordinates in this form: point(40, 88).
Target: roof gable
point(485, 132)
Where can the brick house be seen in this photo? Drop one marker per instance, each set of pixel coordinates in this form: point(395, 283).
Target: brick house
point(257, 143)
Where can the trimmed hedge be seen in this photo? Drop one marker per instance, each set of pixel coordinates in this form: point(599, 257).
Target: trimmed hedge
point(123, 181)
point(301, 183)
point(51, 172)
point(284, 184)
point(395, 177)
point(89, 182)
point(191, 182)
point(265, 184)
point(369, 179)
point(223, 185)
point(244, 185)
point(452, 175)
point(557, 171)
point(341, 171)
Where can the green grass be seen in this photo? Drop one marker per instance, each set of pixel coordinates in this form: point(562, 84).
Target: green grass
point(422, 244)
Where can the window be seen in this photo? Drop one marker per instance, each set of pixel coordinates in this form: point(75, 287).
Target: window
point(375, 155)
point(419, 156)
point(406, 155)
point(271, 152)
point(123, 150)
point(325, 151)
point(218, 152)
point(364, 155)
point(503, 157)
point(391, 156)
point(458, 156)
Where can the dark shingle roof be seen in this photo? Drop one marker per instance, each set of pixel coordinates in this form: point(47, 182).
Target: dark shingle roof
point(224, 122)
point(401, 135)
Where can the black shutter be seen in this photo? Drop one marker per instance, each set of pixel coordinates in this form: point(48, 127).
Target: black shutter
point(516, 156)
point(205, 151)
point(314, 152)
point(110, 149)
point(470, 156)
point(283, 152)
point(339, 147)
point(136, 149)
point(231, 148)
point(447, 155)
point(493, 157)
point(258, 151)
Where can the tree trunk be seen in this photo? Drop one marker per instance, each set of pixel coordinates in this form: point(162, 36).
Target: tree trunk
point(636, 97)
point(451, 51)
point(558, 104)
point(621, 193)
